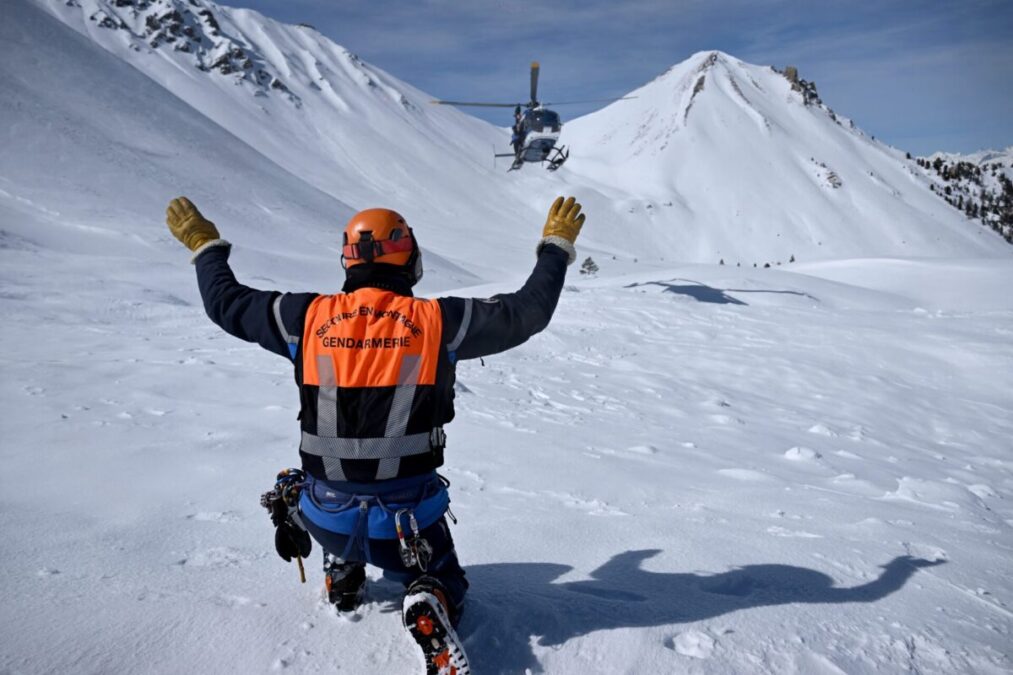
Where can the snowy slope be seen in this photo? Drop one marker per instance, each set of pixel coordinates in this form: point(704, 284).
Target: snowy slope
point(746, 176)
point(980, 185)
point(1004, 158)
point(694, 469)
point(729, 471)
point(93, 150)
point(724, 159)
point(307, 104)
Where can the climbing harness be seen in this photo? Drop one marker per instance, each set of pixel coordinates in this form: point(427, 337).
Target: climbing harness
point(400, 512)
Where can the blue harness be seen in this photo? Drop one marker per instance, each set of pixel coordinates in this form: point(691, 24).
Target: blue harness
point(364, 511)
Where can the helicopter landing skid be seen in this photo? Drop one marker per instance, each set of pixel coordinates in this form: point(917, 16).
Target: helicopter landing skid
point(560, 156)
point(517, 163)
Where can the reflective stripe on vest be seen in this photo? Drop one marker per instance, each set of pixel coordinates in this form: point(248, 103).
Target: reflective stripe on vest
point(366, 448)
point(362, 341)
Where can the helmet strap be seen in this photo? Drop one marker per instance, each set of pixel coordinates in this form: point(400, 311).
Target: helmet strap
point(366, 247)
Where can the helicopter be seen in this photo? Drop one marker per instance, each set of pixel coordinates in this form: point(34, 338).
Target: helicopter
point(535, 130)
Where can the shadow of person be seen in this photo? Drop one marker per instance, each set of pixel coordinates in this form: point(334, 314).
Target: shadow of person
point(696, 290)
point(704, 293)
point(513, 604)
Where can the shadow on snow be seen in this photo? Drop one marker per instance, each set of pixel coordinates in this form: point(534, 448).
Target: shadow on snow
point(510, 602)
point(704, 293)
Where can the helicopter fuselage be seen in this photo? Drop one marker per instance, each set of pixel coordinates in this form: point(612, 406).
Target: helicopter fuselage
point(536, 134)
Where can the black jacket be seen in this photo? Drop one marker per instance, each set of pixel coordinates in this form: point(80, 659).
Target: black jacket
point(471, 327)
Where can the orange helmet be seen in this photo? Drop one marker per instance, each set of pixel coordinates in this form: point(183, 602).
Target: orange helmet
point(381, 236)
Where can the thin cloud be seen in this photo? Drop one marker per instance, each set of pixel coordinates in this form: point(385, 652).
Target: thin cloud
point(885, 64)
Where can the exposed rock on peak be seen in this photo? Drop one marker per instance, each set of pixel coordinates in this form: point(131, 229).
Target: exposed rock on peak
point(189, 27)
point(804, 87)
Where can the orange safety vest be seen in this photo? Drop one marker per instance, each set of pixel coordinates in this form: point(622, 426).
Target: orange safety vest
point(372, 386)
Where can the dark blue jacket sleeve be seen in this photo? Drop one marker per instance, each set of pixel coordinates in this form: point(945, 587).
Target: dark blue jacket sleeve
point(478, 327)
point(269, 318)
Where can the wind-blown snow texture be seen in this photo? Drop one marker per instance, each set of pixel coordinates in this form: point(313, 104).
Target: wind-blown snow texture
point(695, 468)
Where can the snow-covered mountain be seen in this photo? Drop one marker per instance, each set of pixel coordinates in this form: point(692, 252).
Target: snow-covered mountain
point(744, 163)
point(301, 100)
point(716, 159)
point(306, 105)
point(695, 468)
point(92, 148)
point(980, 185)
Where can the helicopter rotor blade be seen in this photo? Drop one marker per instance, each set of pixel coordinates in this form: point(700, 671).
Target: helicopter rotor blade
point(593, 100)
point(534, 83)
point(478, 105)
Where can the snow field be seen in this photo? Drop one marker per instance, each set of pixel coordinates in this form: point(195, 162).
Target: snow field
point(663, 480)
point(695, 468)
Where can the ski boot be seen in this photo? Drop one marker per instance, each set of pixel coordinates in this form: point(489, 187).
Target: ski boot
point(345, 583)
point(426, 618)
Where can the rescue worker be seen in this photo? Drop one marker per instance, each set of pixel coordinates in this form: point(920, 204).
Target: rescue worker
point(375, 368)
point(517, 134)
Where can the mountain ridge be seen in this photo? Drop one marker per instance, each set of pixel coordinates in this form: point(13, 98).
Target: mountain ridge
point(753, 153)
point(362, 136)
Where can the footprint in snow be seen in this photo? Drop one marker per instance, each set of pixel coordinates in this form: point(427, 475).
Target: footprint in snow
point(822, 430)
point(693, 644)
point(982, 491)
point(797, 534)
point(235, 601)
point(215, 516)
point(925, 551)
point(857, 433)
point(802, 454)
point(748, 475)
point(725, 419)
point(218, 557)
point(291, 654)
point(642, 449)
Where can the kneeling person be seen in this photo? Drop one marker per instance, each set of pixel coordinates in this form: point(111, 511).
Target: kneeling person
point(375, 369)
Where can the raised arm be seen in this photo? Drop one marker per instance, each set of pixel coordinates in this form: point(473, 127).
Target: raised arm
point(268, 318)
point(479, 327)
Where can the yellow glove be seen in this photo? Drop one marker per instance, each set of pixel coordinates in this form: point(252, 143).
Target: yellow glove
point(188, 225)
point(562, 226)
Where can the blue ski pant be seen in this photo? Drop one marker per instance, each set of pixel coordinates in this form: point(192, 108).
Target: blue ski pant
point(384, 553)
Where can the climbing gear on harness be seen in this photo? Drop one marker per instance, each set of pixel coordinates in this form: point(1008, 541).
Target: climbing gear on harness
point(417, 550)
point(291, 540)
point(409, 505)
point(425, 613)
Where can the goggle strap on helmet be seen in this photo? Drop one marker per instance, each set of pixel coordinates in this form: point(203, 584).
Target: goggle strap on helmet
point(367, 249)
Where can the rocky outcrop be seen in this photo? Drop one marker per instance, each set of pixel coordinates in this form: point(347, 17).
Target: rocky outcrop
point(190, 27)
point(804, 87)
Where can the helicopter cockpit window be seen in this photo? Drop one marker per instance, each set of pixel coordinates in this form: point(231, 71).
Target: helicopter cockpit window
point(544, 120)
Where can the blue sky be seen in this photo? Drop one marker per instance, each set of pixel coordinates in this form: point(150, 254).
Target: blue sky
point(923, 76)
